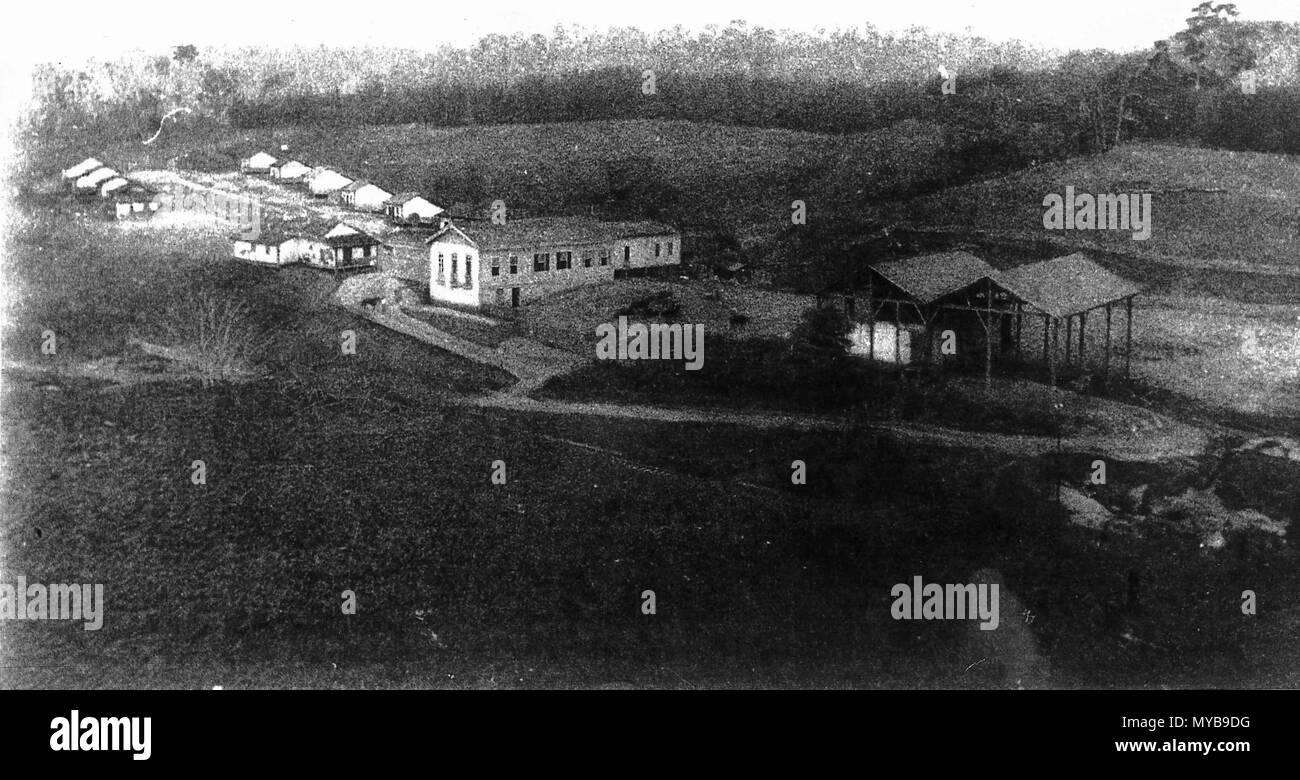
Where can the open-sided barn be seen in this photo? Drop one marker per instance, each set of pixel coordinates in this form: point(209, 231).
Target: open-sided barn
point(984, 308)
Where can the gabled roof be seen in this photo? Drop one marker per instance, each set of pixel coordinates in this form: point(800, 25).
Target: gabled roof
point(282, 163)
point(927, 278)
point(1066, 285)
point(278, 230)
point(542, 232)
point(82, 168)
point(96, 177)
point(356, 185)
point(114, 183)
point(403, 198)
point(133, 191)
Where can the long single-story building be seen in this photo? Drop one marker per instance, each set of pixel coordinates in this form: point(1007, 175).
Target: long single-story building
point(89, 183)
point(340, 247)
point(526, 259)
point(81, 169)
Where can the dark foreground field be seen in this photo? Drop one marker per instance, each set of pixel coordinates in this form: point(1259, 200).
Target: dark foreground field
point(460, 582)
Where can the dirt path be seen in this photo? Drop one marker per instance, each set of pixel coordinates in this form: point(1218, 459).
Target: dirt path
point(534, 365)
point(1177, 441)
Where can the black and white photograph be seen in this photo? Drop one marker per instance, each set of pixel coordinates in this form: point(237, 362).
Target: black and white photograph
point(942, 345)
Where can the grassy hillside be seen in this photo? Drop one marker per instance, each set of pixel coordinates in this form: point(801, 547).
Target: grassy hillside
point(1234, 211)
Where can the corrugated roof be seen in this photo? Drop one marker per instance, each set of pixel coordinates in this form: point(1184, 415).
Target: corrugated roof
point(1066, 285)
point(541, 232)
point(928, 278)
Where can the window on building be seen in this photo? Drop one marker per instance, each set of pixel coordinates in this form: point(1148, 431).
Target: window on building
point(604, 257)
point(563, 260)
point(587, 256)
point(499, 296)
point(514, 264)
point(441, 270)
point(670, 249)
point(469, 270)
point(627, 253)
point(542, 262)
point(496, 266)
point(656, 249)
point(454, 263)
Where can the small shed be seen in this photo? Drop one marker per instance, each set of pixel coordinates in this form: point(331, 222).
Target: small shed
point(288, 170)
point(258, 162)
point(328, 180)
point(133, 200)
point(410, 207)
point(362, 194)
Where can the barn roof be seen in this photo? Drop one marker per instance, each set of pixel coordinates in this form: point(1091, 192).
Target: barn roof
point(1066, 285)
point(541, 232)
point(928, 278)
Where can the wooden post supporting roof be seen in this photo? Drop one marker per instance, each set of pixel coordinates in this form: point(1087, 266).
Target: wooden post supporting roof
point(1083, 326)
point(1106, 359)
point(871, 318)
point(988, 336)
point(1020, 321)
point(898, 336)
point(1128, 335)
point(1056, 338)
point(1069, 337)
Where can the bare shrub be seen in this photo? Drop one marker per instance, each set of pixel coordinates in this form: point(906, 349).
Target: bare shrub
point(213, 335)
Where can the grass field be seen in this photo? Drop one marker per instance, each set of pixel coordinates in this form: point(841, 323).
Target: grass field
point(1219, 210)
point(336, 472)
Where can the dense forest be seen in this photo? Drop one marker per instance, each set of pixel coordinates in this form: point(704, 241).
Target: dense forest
point(1186, 88)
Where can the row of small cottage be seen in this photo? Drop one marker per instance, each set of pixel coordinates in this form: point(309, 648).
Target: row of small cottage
point(123, 198)
point(473, 263)
point(325, 182)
